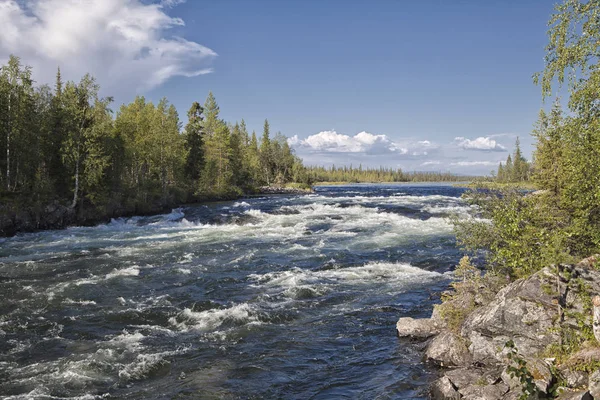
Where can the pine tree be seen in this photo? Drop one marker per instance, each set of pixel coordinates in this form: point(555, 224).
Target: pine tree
point(266, 157)
point(194, 142)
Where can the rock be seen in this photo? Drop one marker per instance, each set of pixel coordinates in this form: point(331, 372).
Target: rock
point(437, 319)
point(485, 392)
point(522, 311)
point(574, 379)
point(539, 369)
point(463, 377)
point(442, 389)
point(283, 190)
point(416, 328)
point(594, 384)
point(574, 395)
point(448, 350)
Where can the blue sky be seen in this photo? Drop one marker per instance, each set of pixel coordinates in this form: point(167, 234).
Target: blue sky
point(427, 85)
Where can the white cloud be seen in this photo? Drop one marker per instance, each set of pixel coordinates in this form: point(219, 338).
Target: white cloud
point(333, 142)
point(126, 44)
point(426, 163)
point(480, 143)
point(475, 163)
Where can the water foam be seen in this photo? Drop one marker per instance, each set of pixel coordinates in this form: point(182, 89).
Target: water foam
point(212, 319)
point(321, 281)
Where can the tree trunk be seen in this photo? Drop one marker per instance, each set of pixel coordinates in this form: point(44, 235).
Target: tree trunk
point(596, 317)
point(76, 191)
point(8, 161)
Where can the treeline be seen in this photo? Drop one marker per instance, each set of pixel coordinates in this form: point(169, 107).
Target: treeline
point(516, 169)
point(65, 144)
point(382, 174)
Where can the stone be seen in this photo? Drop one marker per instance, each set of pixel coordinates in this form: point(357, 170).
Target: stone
point(522, 311)
point(448, 350)
point(485, 392)
point(539, 369)
point(442, 389)
point(416, 328)
point(574, 395)
point(463, 377)
point(574, 379)
point(594, 384)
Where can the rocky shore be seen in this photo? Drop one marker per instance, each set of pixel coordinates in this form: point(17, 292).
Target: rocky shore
point(283, 190)
point(56, 215)
point(532, 339)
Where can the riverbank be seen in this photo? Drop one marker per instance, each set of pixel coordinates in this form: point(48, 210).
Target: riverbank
point(491, 185)
point(533, 337)
point(15, 218)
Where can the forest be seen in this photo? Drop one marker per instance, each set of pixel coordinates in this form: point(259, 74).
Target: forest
point(348, 174)
point(66, 144)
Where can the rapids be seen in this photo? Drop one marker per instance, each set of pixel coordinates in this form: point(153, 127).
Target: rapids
point(265, 297)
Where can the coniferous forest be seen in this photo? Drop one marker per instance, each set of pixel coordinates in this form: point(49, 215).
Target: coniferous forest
point(66, 144)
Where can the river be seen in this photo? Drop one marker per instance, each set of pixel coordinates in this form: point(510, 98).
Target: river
point(266, 297)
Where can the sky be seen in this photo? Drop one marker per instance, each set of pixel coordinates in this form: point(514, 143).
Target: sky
point(431, 85)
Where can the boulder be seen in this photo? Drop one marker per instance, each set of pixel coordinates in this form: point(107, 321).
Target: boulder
point(442, 389)
point(464, 377)
point(574, 395)
point(448, 350)
point(594, 384)
point(539, 369)
point(524, 311)
point(416, 328)
point(485, 392)
point(574, 379)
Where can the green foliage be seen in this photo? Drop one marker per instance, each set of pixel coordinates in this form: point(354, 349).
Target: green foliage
point(466, 271)
point(518, 369)
point(517, 233)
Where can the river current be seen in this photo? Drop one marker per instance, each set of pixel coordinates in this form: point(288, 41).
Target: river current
point(267, 297)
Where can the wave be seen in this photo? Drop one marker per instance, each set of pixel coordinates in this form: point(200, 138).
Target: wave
point(299, 282)
point(210, 320)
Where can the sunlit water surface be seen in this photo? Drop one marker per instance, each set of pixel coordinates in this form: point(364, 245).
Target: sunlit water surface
point(268, 297)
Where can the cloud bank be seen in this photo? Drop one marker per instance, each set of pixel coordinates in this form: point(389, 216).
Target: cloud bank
point(461, 155)
point(126, 44)
point(363, 142)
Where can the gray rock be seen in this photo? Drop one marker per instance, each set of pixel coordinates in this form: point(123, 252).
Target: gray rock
point(463, 377)
point(594, 384)
point(574, 395)
point(448, 350)
point(485, 392)
point(574, 379)
point(541, 373)
point(442, 389)
point(416, 328)
point(522, 311)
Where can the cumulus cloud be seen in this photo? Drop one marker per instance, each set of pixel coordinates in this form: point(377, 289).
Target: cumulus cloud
point(480, 143)
point(333, 142)
point(126, 44)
